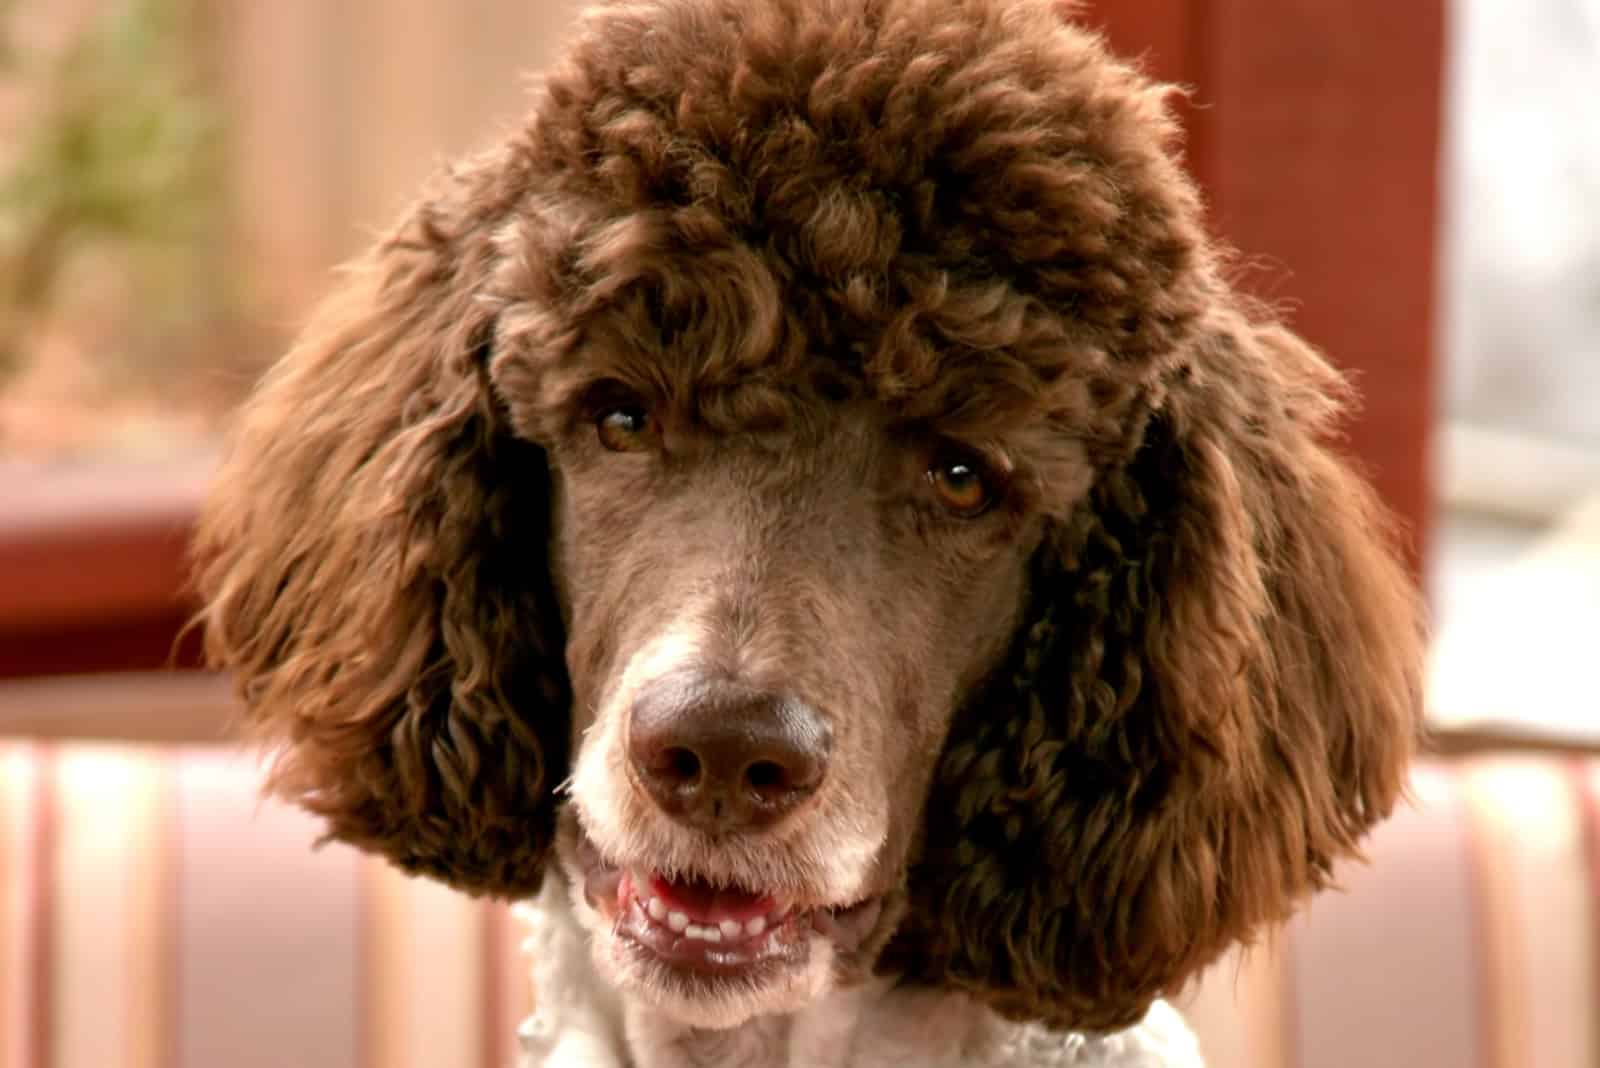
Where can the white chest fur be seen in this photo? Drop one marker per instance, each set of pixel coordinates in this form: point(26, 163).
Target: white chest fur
point(580, 1022)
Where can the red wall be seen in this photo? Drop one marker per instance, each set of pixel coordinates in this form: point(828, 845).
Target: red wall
point(1314, 130)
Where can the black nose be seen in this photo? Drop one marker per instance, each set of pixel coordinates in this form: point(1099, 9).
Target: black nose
point(721, 757)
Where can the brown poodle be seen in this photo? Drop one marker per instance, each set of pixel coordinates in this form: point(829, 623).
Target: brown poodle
point(814, 481)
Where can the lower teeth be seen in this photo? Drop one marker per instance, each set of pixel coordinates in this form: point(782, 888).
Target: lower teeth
point(679, 923)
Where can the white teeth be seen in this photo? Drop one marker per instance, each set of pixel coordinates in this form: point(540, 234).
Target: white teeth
point(730, 930)
point(704, 934)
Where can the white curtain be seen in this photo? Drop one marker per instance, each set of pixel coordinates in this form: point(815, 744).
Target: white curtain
point(1521, 300)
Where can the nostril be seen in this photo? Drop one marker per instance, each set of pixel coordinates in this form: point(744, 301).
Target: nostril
point(683, 765)
point(766, 777)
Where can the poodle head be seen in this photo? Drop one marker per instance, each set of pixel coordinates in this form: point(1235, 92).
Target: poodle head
point(813, 483)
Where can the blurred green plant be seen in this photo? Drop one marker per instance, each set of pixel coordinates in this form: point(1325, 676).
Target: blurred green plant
point(118, 156)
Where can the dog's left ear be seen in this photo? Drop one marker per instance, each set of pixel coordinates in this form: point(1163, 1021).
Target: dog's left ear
point(373, 564)
point(1214, 697)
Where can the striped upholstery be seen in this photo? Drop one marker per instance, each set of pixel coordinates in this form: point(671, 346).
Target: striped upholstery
point(1469, 941)
point(153, 913)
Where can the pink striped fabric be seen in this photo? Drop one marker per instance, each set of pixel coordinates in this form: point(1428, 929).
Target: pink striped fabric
point(1470, 940)
point(155, 914)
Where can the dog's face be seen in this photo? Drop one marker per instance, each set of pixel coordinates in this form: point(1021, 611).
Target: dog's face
point(774, 603)
point(815, 483)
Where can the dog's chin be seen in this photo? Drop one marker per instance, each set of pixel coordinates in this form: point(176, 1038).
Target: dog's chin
point(715, 956)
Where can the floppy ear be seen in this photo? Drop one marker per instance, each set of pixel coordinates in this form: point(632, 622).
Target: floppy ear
point(373, 565)
point(1215, 696)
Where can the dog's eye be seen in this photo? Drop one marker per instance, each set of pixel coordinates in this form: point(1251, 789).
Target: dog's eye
point(962, 484)
point(626, 428)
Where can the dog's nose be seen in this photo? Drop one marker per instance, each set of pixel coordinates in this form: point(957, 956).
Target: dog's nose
point(720, 757)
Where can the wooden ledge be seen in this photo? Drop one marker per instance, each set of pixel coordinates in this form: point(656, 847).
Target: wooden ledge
point(93, 565)
point(145, 706)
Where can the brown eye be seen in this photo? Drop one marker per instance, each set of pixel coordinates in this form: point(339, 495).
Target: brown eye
point(626, 429)
point(962, 485)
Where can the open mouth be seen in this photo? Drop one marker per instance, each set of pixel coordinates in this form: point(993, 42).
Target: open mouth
point(691, 925)
point(696, 927)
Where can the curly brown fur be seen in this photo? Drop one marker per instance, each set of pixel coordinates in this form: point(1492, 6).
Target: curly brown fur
point(1211, 703)
point(371, 555)
point(1126, 718)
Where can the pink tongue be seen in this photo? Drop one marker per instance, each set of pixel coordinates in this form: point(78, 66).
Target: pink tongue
point(704, 904)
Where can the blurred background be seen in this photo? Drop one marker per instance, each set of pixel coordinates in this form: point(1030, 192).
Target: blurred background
point(1415, 186)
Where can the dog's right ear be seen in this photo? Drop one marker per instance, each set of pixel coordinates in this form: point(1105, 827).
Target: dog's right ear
point(373, 565)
